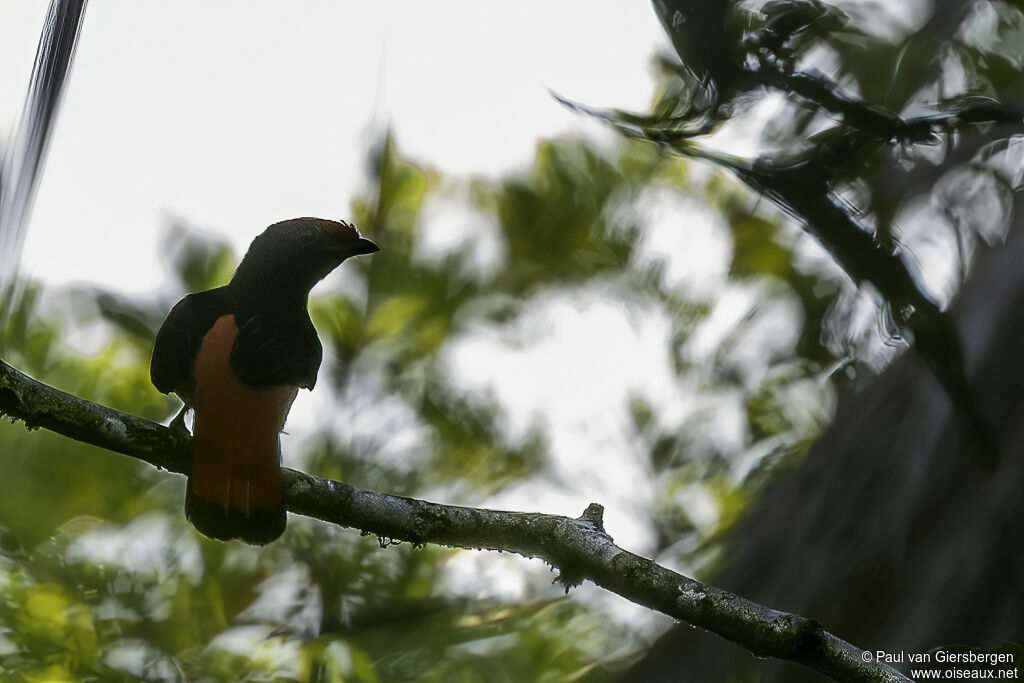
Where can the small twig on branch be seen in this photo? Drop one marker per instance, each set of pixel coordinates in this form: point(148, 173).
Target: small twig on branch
point(578, 548)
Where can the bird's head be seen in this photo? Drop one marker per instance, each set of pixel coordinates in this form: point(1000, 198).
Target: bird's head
point(290, 257)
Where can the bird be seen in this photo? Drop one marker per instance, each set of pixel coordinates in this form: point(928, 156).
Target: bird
point(237, 355)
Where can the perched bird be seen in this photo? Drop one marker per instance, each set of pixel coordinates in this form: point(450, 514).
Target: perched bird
point(237, 356)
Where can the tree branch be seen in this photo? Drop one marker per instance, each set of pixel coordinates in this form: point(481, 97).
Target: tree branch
point(579, 548)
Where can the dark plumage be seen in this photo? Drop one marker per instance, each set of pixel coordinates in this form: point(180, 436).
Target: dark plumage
point(236, 355)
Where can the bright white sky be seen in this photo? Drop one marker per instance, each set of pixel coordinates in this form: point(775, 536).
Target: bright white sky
point(235, 114)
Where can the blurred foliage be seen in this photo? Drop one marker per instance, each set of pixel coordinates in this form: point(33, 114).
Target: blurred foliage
point(884, 108)
point(892, 136)
point(101, 578)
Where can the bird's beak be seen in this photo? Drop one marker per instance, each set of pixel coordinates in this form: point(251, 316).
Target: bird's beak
point(363, 246)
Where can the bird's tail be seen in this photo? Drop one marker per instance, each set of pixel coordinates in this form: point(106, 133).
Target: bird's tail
point(245, 508)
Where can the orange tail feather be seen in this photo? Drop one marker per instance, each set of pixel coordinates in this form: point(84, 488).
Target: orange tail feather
point(234, 489)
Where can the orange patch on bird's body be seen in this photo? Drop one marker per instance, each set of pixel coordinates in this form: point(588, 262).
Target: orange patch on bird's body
point(236, 451)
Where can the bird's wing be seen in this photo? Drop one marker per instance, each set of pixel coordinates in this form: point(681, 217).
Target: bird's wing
point(179, 338)
point(275, 350)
